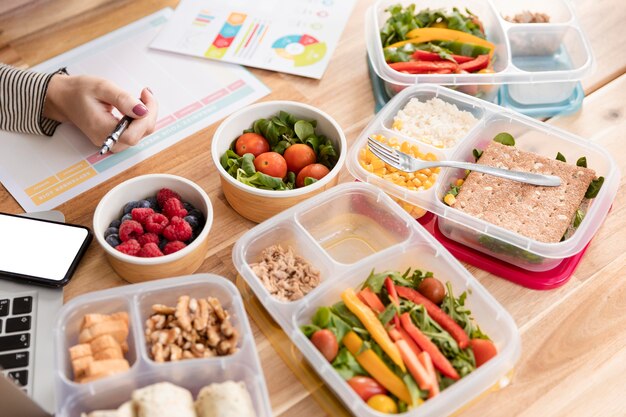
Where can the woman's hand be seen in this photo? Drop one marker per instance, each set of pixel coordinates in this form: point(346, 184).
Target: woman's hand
point(87, 102)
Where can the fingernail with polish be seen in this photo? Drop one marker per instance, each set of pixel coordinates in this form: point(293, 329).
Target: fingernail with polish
point(140, 110)
point(148, 88)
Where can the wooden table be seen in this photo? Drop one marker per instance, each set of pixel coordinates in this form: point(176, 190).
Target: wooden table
point(573, 338)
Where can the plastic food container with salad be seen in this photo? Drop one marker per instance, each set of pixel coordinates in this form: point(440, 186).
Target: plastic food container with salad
point(529, 135)
point(345, 234)
point(475, 46)
point(137, 303)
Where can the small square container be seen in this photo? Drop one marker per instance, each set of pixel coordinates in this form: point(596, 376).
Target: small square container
point(193, 374)
point(539, 64)
point(530, 135)
point(345, 233)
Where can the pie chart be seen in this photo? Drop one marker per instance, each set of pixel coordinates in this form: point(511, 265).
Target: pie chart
point(303, 50)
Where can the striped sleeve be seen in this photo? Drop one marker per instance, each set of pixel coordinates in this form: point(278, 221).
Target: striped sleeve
point(22, 97)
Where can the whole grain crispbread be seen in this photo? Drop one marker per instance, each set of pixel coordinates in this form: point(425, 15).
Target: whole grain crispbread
point(540, 213)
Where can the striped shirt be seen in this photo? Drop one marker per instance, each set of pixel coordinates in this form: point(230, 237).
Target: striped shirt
point(22, 98)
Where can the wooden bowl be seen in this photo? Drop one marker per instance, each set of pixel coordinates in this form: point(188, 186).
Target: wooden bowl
point(256, 204)
point(136, 269)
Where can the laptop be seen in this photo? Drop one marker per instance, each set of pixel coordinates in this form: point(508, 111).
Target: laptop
point(28, 315)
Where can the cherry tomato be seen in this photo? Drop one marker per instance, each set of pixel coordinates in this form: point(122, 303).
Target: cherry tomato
point(366, 387)
point(272, 164)
point(383, 403)
point(317, 171)
point(251, 143)
point(326, 342)
point(432, 289)
point(483, 350)
point(298, 156)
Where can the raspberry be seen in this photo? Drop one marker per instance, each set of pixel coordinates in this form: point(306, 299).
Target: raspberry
point(130, 229)
point(156, 223)
point(151, 250)
point(178, 229)
point(174, 246)
point(130, 247)
point(141, 214)
point(148, 238)
point(174, 208)
point(165, 194)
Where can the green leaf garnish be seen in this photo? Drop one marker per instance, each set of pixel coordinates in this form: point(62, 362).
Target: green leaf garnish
point(594, 187)
point(582, 162)
point(505, 139)
point(560, 157)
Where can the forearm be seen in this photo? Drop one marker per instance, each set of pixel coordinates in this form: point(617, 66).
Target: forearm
point(22, 100)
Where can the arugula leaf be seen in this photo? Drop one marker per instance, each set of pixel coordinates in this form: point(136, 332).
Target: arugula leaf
point(455, 308)
point(560, 157)
point(594, 187)
point(505, 139)
point(322, 317)
point(290, 181)
point(309, 181)
point(388, 313)
point(454, 190)
point(342, 312)
point(582, 162)
point(346, 364)
point(309, 329)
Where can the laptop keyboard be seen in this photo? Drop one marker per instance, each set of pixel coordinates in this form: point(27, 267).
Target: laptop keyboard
point(16, 333)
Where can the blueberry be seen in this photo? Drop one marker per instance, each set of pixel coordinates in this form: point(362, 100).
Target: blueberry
point(196, 213)
point(154, 204)
point(126, 217)
point(193, 221)
point(130, 206)
point(143, 204)
point(111, 231)
point(116, 223)
point(162, 243)
point(113, 240)
point(188, 206)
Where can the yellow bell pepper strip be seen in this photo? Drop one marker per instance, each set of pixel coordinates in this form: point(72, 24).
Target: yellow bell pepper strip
point(375, 366)
point(373, 326)
point(423, 35)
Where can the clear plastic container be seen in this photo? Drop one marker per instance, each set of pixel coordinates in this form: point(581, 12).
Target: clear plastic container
point(530, 135)
point(540, 62)
point(193, 374)
point(346, 232)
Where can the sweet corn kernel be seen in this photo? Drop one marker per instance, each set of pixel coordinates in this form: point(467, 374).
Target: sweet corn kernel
point(369, 168)
point(380, 172)
point(377, 163)
point(449, 199)
point(421, 177)
point(428, 184)
point(393, 141)
point(405, 147)
point(459, 182)
point(397, 124)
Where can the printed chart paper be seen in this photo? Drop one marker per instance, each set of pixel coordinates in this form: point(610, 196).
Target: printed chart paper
point(42, 172)
point(293, 36)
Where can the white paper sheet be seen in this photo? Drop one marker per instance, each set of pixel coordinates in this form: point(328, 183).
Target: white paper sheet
point(42, 172)
point(293, 36)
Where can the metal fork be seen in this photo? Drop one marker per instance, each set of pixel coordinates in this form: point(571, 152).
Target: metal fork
point(407, 163)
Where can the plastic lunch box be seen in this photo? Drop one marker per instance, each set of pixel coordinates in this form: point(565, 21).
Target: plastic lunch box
point(193, 374)
point(530, 135)
point(539, 63)
point(346, 232)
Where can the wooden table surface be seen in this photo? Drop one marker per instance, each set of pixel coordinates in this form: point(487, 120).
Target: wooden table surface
point(573, 338)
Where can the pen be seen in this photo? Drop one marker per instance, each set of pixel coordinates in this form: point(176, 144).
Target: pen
point(115, 135)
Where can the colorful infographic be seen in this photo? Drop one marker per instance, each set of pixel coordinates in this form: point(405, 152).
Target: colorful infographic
point(226, 35)
point(292, 36)
point(303, 50)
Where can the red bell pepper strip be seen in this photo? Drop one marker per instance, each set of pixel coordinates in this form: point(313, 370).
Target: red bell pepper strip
point(415, 367)
point(393, 296)
point(427, 363)
point(440, 361)
point(423, 66)
point(480, 62)
point(420, 55)
point(437, 314)
point(370, 298)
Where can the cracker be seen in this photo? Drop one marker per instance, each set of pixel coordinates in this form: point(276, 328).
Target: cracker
point(540, 213)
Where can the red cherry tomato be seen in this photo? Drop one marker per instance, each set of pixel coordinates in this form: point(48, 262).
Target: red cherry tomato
point(483, 350)
point(317, 171)
point(326, 342)
point(298, 156)
point(272, 164)
point(251, 143)
point(366, 387)
point(432, 289)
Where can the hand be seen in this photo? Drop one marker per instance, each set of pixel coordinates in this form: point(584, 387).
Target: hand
point(87, 102)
